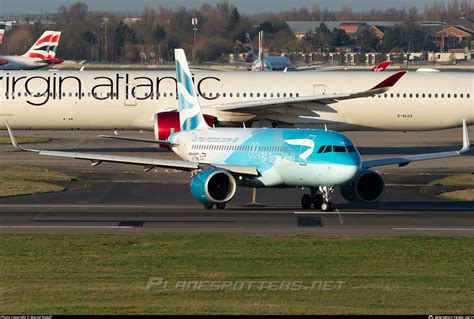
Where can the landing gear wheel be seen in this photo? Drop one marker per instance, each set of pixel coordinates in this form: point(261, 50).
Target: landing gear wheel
point(318, 201)
point(327, 207)
point(208, 206)
point(306, 201)
point(220, 206)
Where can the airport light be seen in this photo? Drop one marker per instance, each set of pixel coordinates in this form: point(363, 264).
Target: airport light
point(194, 22)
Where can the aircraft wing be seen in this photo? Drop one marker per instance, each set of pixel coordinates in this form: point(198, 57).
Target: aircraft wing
point(138, 139)
point(257, 106)
point(405, 160)
point(148, 163)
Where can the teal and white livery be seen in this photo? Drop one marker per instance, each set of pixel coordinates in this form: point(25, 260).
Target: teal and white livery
point(190, 115)
point(221, 159)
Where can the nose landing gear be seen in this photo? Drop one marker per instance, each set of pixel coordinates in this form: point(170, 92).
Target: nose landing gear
point(319, 201)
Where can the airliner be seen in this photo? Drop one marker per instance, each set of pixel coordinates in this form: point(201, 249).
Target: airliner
point(41, 54)
point(147, 100)
point(220, 159)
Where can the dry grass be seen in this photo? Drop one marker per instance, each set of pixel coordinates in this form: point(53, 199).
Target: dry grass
point(455, 180)
point(23, 180)
point(463, 180)
point(463, 195)
point(24, 139)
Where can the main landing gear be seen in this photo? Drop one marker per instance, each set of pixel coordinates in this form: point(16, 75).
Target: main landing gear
point(211, 205)
point(319, 201)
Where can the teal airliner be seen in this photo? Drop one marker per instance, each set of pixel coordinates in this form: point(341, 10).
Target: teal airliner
point(221, 159)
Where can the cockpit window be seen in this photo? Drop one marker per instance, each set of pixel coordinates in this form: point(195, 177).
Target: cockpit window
point(339, 149)
point(328, 149)
point(351, 148)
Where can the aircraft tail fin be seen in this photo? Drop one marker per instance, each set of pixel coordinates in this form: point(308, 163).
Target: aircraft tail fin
point(381, 67)
point(44, 49)
point(190, 114)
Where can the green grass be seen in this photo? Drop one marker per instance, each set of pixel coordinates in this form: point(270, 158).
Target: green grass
point(99, 274)
point(24, 139)
point(23, 180)
point(463, 180)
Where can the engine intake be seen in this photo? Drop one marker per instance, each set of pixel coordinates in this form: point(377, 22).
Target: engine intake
point(368, 187)
point(213, 186)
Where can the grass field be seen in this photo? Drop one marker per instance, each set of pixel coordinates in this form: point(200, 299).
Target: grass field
point(5, 139)
point(464, 180)
point(99, 274)
point(23, 180)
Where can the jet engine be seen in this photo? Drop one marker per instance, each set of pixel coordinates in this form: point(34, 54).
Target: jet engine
point(165, 122)
point(368, 187)
point(213, 186)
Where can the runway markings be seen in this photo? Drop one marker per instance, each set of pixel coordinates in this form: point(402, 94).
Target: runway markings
point(67, 206)
point(432, 229)
point(339, 215)
point(69, 226)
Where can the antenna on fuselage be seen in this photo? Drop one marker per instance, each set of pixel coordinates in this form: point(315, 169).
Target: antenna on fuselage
point(244, 125)
point(325, 127)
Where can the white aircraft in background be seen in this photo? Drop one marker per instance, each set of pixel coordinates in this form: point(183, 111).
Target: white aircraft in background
point(146, 100)
point(221, 159)
point(41, 54)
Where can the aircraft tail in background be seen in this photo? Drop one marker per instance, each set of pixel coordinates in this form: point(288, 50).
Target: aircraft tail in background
point(381, 67)
point(190, 114)
point(44, 49)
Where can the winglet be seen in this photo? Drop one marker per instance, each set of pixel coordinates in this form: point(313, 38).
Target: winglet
point(13, 139)
point(465, 138)
point(390, 81)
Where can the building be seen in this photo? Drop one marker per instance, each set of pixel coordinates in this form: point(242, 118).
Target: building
point(301, 28)
point(456, 36)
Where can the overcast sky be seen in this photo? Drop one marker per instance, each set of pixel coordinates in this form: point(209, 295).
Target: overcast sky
point(8, 7)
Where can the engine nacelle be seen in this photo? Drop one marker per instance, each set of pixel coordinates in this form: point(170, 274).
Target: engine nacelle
point(213, 186)
point(368, 187)
point(165, 122)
